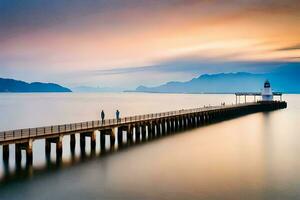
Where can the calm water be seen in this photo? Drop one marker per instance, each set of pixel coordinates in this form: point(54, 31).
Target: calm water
point(252, 157)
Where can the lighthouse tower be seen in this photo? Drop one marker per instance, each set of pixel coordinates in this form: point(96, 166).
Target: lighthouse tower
point(267, 94)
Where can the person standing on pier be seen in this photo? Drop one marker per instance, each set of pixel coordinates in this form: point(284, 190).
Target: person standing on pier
point(118, 115)
point(102, 116)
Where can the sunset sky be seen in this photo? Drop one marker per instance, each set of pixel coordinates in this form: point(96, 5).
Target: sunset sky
point(125, 43)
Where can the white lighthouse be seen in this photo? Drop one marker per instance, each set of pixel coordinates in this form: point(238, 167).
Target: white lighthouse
point(267, 94)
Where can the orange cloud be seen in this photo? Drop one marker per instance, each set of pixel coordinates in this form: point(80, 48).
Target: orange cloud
point(145, 33)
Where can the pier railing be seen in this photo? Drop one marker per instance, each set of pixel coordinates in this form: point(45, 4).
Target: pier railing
point(99, 124)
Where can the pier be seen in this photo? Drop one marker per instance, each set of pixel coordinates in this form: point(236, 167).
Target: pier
point(127, 130)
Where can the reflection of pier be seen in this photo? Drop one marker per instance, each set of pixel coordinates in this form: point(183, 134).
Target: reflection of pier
point(136, 128)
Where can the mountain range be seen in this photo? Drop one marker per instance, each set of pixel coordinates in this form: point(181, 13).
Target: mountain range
point(11, 85)
point(285, 79)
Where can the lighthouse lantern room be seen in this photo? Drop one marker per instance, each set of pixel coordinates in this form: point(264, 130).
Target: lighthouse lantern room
point(267, 94)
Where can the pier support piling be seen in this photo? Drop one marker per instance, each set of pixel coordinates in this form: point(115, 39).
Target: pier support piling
point(18, 155)
point(112, 138)
point(137, 133)
point(58, 142)
point(29, 157)
point(163, 127)
point(93, 142)
point(59, 148)
point(172, 125)
point(102, 140)
point(120, 136)
point(143, 132)
point(129, 135)
point(158, 129)
point(72, 144)
point(153, 129)
point(168, 126)
point(149, 130)
point(5, 149)
point(27, 146)
point(175, 124)
point(47, 149)
point(82, 143)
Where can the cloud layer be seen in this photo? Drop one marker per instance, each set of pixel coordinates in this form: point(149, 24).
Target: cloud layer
point(49, 39)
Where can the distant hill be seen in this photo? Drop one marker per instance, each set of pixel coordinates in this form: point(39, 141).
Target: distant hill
point(11, 85)
point(283, 79)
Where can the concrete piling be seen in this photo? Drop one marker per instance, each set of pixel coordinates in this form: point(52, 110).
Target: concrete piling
point(149, 131)
point(184, 122)
point(158, 128)
point(180, 122)
point(143, 126)
point(18, 155)
point(58, 142)
point(120, 136)
point(102, 140)
point(5, 151)
point(176, 124)
point(82, 143)
point(27, 146)
point(153, 129)
point(59, 148)
point(93, 141)
point(137, 133)
point(169, 126)
point(91, 135)
point(72, 144)
point(163, 127)
point(129, 134)
point(112, 139)
point(29, 157)
point(47, 147)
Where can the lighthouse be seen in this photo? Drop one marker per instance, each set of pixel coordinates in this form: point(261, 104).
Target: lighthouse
point(267, 94)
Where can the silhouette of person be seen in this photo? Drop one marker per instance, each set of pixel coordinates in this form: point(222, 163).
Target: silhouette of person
point(118, 115)
point(102, 116)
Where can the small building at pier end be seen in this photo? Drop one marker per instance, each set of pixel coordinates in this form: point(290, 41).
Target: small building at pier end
point(267, 94)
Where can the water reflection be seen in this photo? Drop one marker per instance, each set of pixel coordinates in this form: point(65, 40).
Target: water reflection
point(73, 154)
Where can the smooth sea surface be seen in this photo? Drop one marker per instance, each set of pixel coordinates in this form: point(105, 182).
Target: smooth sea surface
point(251, 157)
